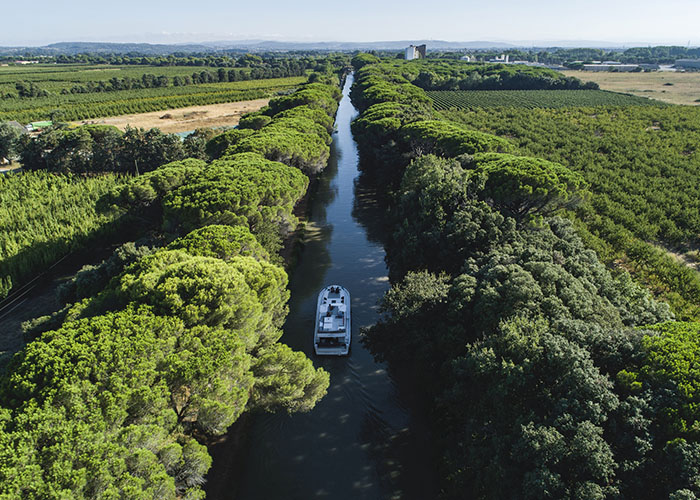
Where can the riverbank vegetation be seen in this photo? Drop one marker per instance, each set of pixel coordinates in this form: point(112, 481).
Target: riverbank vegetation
point(545, 377)
point(167, 344)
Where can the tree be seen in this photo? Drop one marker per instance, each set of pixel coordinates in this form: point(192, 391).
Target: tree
point(287, 379)
point(9, 136)
point(522, 187)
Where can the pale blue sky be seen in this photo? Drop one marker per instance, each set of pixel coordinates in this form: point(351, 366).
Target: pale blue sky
point(655, 21)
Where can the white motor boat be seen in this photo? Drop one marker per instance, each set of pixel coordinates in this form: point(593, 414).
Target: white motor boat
point(332, 332)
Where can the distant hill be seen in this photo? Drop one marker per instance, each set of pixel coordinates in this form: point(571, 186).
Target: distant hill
point(152, 49)
point(149, 49)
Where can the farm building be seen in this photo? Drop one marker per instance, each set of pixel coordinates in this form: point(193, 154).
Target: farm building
point(415, 52)
point(37, 126)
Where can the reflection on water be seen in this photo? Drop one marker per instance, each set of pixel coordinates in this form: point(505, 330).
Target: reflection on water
point(357, 443)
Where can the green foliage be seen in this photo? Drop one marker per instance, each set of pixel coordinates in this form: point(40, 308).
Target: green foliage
point(288, 380)
point(521, 187)
point(445, 139)
point(363, 59)
point(314, 114)
point(222, 242)
point(460, 75)
point(9, 136)
point(159, 345)
point(90, 280)
point(218, 145)
point(531, 99)
point(154, 185)
point(516, 334)
point(246, 187)
point(314, 95)
point(640, 163)
point(80, 106)
point(305, 151)
point(118, 384)
point(440, 220)
point(534, 440)
point(672, 359)
point(91, 149)
point(43, 217)
point(254, 121)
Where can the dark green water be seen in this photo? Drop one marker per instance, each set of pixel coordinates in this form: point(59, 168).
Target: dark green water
point(361, 441)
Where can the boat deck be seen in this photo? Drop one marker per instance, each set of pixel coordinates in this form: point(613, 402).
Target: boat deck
point(332, 312)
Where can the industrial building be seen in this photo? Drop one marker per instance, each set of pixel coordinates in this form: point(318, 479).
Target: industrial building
point(622, 68)
point(688, 63)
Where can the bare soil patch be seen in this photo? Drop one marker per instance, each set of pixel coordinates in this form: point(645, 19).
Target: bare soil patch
point(184, 119)
point(668, 86)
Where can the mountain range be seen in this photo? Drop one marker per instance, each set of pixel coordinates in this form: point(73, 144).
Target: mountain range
point(271, 45)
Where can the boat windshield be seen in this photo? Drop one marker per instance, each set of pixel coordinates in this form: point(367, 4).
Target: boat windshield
point(330, 342)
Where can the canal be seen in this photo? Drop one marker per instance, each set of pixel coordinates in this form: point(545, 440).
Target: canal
point(361, 441)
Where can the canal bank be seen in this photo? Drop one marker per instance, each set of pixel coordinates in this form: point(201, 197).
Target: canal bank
point(361, 441)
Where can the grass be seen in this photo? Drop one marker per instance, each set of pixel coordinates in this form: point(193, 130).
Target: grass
point(666, 86)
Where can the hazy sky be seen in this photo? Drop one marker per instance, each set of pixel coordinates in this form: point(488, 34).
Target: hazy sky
point(655, 21)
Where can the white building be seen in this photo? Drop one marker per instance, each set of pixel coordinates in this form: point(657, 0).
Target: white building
point(503, 59)
point(415, 52)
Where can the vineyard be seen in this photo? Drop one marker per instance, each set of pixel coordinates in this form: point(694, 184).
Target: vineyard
point(470, 99)
point(92, 105)
point(44, 216)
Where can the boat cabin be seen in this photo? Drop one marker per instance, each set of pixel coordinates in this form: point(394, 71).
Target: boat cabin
point(332, 311)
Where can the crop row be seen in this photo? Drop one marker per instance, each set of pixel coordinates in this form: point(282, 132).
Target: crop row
point(469, 99)
point(83, 106)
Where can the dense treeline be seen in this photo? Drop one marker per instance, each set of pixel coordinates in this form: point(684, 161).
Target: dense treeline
point(459, 75)
point(43, 217)
point(522, 340)
point(661, 54)
point(162, 343)
point(100, 148)
point(83, 72)
point(642, 164)
point(148, 80)
point(96, 105)
point(316, 62)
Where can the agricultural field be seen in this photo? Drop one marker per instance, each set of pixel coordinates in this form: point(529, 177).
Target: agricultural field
point(667, 86)
point(642, 164)
point(468, 99)
point(55, 78)
point(220, 115)
point(94, 105)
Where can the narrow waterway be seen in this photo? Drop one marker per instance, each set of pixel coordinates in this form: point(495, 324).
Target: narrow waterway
point(361, 441)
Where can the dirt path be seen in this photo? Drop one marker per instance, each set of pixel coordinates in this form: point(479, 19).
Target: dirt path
point(185, 119)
